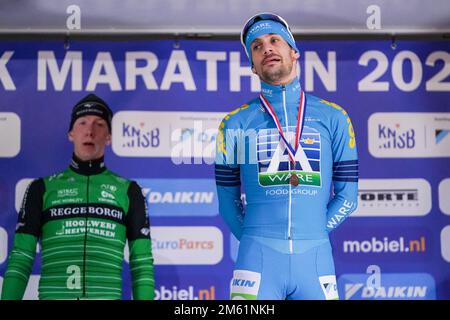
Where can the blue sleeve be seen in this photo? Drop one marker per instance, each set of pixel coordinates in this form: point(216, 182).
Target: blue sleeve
point(228, 181)
point(345, 170)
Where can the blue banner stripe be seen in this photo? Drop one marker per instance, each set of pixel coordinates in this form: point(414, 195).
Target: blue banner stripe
point(225, 168)
point(344, 163)
point(345, 174)
point(346, 179)
point(227, 174)
point(227, 178)
point(346, 168)
point(228, 184)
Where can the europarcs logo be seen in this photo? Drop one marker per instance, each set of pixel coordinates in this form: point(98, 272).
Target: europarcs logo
point(194, 245)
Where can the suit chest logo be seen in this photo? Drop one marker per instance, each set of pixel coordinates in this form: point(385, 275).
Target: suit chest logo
point(273, 159)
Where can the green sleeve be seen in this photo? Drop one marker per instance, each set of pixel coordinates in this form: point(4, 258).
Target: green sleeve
point(139, 241)
point(20, 260)
point(141, 265)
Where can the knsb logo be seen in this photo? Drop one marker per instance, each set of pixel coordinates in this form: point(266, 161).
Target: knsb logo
point(393, 286)
point(393, 197)
point(396, 137)
point(274, 162)
point(189, 293)
point(187, 245)
point(139, 137)
point(180, 197)
point(406, 135)
point(138, 134)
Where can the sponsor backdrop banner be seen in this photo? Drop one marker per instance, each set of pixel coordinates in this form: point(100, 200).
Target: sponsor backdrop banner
point(169, 97)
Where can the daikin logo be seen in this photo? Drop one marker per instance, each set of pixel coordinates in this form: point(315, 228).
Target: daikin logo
point(180, 197)
point(385, 292)
point(392, 286)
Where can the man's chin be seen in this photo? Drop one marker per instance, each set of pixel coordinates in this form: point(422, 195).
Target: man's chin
point(87, 156)
point(273, 77)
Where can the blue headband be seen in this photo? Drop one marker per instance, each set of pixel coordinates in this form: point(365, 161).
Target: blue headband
point(263, 27)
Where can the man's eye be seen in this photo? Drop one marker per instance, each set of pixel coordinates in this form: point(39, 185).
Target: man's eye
point(256, 47)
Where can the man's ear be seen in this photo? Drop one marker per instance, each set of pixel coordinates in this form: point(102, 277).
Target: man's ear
point(295, 54)
point(69, 135)
point(108, 139)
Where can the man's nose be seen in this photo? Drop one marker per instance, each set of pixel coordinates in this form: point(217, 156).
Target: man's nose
point(267, 49)
point(90, 130)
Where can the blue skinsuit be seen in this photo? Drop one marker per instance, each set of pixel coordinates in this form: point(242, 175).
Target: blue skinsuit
point(284, 250)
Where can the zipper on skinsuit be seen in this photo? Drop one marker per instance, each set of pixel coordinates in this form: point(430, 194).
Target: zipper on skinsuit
point(289, 167)
point(85, 235)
